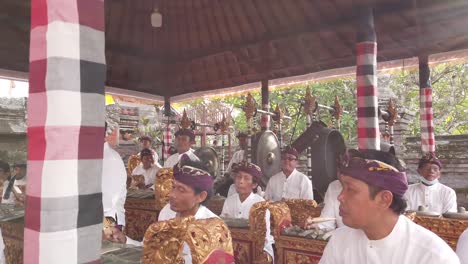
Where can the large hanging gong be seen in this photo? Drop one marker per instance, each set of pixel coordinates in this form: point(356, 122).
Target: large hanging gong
point(328, 147)
point(268, 154)
point(209, 158)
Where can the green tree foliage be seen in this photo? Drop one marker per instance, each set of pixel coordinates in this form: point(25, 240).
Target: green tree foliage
point(450, 103)
point(449, 95)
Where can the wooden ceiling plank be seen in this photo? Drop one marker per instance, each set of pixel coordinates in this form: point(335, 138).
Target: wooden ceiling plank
point(135, 23)
point(221, 23)
point(209, 21)
point(192, 27)
point(205, 36)
point(240, 16)
point(297, 15)
point(312, 15)
point(264, 13)
point(233, 25)
point(147, 27)
point(178, 41)
point(284, 20)
point(254, 18)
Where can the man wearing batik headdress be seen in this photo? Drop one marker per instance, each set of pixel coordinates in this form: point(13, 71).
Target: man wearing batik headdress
point(247, 176)
point(183, 141)
point(289, 183)
point(375, 231)
point(430, 193)
point(193, 187)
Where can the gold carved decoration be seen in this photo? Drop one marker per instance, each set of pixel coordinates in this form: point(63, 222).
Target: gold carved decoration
point(338, 109)
point(162, 187)
point(309, 103)
point(185, 122)
point(163, 242)
point(279, 114)
point(392, 112)
point(301, 209)
point(249, 107)
point(207, 236)
point(280, 218)
point(132, 163)
point(448, 229)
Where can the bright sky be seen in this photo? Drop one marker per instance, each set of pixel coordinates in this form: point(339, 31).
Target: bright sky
point(20, 90)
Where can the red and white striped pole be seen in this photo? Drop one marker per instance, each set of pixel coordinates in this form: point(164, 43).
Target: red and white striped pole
point(425, 103)
point(366, 80)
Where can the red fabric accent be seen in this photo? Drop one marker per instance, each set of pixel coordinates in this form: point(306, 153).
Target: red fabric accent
point(39, 13)
point(89, 18)
point(89, 137)
point(366, 48)
point(32, 216)
point(36, 143)
point(37, 76)
point(219, 257)
point(367, 132)
point(366, 91)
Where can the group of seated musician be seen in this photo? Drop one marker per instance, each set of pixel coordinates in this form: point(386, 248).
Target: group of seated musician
point(367, 201)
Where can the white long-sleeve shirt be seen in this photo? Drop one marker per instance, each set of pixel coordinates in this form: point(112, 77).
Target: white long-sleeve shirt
point(149, 174)
point(174, 158)
point(11, 199)
point(202, 213)
point(114, 184)
point(332, 206)
point(462, 247)
point(408, 243)
point(237, 157)
point(296, 186)
point(437, 198)
point(234, 208)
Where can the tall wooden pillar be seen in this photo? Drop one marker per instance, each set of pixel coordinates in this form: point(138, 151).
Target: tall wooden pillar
point(366, 80)
point(265, 106)
point(425, 103)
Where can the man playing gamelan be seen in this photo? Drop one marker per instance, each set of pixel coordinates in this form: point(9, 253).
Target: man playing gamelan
point(371, 204)
point(430, 193)
point(289, 183)
point(246, 179)
point(238, 156)
point(147, 169)
point(184, 139)
point(193, 187)
point(331, 204)
point(146, 143)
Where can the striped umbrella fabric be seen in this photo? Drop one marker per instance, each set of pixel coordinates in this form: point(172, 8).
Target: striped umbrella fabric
point(425, 107)
point(66, 108)
point(366, 79)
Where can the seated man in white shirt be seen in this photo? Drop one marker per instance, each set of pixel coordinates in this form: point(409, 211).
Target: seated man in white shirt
point(183, 142)
point(289, 183)
point(147, 169)
point(372, 204)
point(193, 186)
point(247, 176)
point(114, 192)
point(18, 179)
point(331, 207)
point(430, 193)
point(238, 156)
point(146, 143)
point(462, 247)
